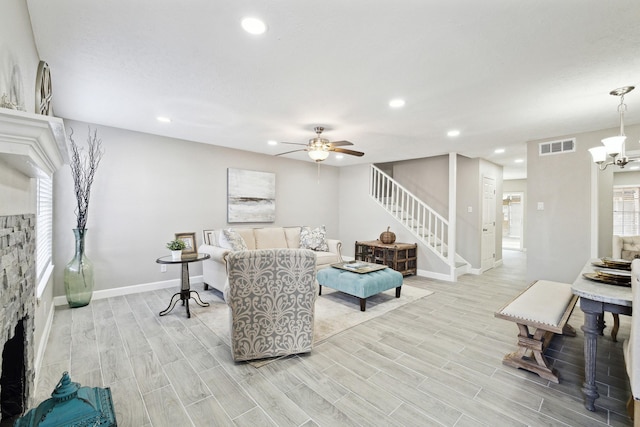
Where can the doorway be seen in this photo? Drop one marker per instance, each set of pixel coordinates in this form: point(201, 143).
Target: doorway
point(512, 220)
point(488, 248)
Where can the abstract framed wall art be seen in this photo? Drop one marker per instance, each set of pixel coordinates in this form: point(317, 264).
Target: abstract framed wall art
point(251, 196)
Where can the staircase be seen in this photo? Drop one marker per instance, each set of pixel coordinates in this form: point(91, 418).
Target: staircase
point(430, 228)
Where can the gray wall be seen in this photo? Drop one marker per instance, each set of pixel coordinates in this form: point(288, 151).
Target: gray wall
point(18, 62)
point(428, 179)
point(559, 237)
point(149, 187)
point(626, 178)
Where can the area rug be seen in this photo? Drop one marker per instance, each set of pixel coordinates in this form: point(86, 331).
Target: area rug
point(335, 312)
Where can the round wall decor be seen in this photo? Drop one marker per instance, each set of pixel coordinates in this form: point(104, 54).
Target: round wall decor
point(43, 90)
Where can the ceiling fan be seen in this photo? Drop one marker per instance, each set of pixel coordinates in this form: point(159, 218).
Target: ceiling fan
point(319, 148)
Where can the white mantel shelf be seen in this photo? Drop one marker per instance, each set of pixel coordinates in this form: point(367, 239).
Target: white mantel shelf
point(32, 143)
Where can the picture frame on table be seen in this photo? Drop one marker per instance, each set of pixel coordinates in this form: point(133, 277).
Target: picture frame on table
point(189, 240)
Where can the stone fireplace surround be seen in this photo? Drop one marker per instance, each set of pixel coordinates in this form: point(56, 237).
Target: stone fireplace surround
point(17, 298)
point(35, 146)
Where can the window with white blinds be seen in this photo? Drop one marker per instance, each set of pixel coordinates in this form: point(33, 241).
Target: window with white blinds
point(626, 211)
point(44, 226)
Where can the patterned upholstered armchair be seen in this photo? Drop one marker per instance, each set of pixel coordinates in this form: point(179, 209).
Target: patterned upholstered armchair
point(272, 294)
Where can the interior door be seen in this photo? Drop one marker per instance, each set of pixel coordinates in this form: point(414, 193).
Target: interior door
point(488, 250)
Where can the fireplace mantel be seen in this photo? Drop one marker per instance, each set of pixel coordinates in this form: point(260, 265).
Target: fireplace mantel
point(31, 143)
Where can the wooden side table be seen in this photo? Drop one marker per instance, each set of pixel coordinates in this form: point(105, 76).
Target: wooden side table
point(401, 257)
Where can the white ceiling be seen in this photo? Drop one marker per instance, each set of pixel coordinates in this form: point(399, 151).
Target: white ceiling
point(503, 72)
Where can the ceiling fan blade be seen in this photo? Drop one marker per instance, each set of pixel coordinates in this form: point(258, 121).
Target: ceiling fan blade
point(340, 143)
point(289, 152)
point(292, 143)
point(345, 151)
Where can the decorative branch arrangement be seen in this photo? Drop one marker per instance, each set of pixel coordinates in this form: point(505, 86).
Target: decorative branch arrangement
point(83, 169)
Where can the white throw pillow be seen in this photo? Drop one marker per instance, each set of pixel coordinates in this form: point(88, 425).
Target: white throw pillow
point(231, 239)
point(314, 238)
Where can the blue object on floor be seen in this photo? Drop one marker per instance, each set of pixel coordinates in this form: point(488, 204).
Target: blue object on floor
point(72, 405)
point(360, 285)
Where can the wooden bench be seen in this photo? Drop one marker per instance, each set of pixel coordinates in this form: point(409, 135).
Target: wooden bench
point(545, 306)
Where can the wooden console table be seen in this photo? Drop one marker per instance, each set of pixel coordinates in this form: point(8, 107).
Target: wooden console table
point(399, 256)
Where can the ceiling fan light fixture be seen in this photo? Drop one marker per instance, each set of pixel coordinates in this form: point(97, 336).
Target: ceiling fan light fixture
point(318, 155)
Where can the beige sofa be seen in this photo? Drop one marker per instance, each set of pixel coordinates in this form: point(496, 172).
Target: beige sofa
point(626, 247)
point(214, 270)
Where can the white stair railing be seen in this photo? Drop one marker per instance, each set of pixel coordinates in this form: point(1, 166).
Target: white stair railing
point(426, 224)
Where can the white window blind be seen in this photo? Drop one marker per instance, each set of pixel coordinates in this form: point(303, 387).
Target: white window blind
point(44, 226)
point(626, 211)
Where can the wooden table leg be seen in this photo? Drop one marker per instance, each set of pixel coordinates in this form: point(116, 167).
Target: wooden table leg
point(616, 326)
point(591, 331)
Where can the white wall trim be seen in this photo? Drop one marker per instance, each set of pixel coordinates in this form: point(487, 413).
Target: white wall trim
point(594, 210)
point(42, 345)
point(432, 275)
point(134, 289)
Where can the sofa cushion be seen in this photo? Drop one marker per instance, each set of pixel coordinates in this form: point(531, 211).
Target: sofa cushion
point(314, 238)
point(630, 255)
point(231, 239)
point(247, 235)
point(270, 238)
point(323, 258)
point(292, 234)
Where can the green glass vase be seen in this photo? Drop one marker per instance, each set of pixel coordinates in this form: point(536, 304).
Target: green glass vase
point(78, 274)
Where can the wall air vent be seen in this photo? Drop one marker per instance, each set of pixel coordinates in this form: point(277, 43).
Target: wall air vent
point(557, 147)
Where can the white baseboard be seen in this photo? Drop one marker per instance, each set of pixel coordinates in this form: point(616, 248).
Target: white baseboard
point(432, 275)
point(134, 289)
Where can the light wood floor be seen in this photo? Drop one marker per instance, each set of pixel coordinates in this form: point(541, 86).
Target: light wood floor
point(433, 362)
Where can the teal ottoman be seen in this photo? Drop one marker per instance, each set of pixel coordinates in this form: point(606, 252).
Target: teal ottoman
point(360, 285)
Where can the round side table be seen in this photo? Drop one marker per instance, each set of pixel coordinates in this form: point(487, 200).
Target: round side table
point(185, 288)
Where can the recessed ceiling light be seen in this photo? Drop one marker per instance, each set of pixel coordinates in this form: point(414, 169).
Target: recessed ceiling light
point(272, 142)
point(634, 168)
point(519, 161)
point(396, 103)
point(254, 26)
point(163, 119)
point(339, 156)
point(499, 150)
point(454, 132)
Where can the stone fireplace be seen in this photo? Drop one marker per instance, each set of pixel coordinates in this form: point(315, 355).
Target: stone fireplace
point(17, 307)
point(32, 146)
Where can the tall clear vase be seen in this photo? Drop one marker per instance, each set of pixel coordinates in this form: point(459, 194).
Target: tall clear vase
point(78, 274)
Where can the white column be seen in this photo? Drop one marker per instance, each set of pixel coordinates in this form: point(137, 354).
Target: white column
point(453, 193)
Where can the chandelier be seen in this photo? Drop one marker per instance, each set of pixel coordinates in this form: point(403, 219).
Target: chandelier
point(614, 145)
